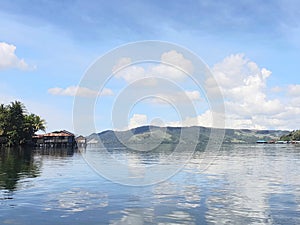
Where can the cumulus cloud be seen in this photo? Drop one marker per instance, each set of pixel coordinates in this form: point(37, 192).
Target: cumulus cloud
point(294, 90)
point(132, 73)
point(218, 120)
point(176, 97)
point(294, 95)
point(168, 71)
point(137, 120)
point(123, 62)
point(177, 59)
point(206, 119)
point(202, 120)
point(8, 58)
point(247, 105)
point(173, 66)
point(277, 89)
point(79, 91)
point(249, 101)
point(244, 86)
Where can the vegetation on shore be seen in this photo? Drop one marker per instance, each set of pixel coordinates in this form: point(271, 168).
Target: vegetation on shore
point(17, 126)
point(293, 136)
point(172, 135)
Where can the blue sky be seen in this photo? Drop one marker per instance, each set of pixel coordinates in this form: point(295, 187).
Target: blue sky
point(47, 46)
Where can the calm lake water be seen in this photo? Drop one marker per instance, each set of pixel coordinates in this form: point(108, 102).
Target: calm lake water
point(244, 184)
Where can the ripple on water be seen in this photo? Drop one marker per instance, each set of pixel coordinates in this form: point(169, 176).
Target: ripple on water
point(242, 185)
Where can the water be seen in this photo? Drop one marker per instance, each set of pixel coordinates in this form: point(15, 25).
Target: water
point(244, 184)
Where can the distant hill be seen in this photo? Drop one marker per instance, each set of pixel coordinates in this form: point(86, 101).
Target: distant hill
point(171, 135)
point(291, 136)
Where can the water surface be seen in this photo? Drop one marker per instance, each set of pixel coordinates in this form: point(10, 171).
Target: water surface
point(244, 184)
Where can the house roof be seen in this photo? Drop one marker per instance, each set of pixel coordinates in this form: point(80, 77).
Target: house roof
point(80, 137)
point(62, 133)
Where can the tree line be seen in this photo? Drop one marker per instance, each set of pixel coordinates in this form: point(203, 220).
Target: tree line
point(292, 136)
point(17, 126)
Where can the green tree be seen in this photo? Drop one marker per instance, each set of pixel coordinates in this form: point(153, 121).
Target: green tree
point(3, 119)
point(293, 136)
point(35, 122)
point(16, 125)
point(296, 135)
point(32, 124)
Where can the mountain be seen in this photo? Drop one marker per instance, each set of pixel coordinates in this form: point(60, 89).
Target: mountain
point(146, 135)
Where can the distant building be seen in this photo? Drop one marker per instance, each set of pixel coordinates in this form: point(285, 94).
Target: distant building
point(56, 139)
point(81, 141)
point(93, 141)
point(261, 142)
point(281, 142)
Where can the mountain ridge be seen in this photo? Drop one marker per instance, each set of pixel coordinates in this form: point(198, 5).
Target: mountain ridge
point(171, 135)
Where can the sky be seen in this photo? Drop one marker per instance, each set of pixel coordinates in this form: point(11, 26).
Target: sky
point(252, 49)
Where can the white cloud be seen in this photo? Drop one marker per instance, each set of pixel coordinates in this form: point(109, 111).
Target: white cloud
point(132, 73)
point(137, 120)
point(123, 62)
point(176, 67)
point(176, 97)
point(236, 73)
point(173, 66)
point(202, 120)
point(213, 119)
point(277, 89)
point(177, 59)
point(243, 85)
point(244, 88)
point(294, 90)
point(193, 95)
point(8, 58)
point(206, 119)
point(168, 71)
point(79, 91)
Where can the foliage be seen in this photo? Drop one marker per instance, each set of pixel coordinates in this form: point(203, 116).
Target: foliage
point(293, 136)
point(173, 135)
point(16, 125)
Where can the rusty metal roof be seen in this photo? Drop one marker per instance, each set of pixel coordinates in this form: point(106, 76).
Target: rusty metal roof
point(62, 133)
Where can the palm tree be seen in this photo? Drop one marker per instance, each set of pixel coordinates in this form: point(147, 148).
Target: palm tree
point(15, 122)
point(3, 117)
point(35, 122)
point(16, 126)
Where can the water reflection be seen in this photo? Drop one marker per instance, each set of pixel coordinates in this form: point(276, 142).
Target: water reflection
point(250, 176)
point(244, 184)
point(24, 163)
point(79, 199)
point(16, 164)
point(55, 152)
point(135, 216)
